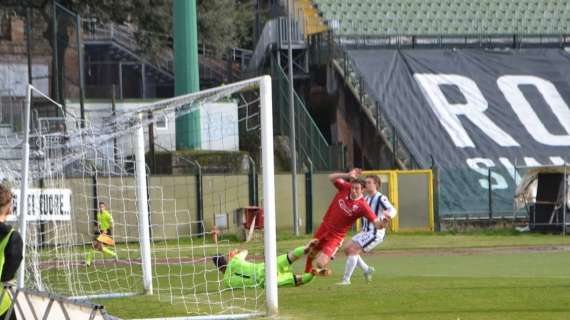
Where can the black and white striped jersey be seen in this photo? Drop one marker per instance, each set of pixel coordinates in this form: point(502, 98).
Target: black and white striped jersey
point(378, 203)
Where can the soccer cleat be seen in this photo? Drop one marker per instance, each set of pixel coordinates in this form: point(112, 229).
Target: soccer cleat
point(324, 272)
point(343, 283)
point(368, 274)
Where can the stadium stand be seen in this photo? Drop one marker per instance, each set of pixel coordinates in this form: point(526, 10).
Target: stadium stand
point(450, 17)
point(371, 39)
point(311, 17)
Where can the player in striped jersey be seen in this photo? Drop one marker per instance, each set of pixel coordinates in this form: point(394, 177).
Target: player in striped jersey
point(370, 236)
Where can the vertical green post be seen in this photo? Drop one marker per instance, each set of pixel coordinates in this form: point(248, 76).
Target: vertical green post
point(186, 79)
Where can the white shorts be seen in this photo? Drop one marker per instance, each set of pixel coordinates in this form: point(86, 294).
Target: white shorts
point(369, 240)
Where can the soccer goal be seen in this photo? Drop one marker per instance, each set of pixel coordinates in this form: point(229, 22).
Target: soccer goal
point(171, 211)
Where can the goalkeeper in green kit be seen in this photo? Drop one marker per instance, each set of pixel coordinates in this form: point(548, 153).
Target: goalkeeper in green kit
point(104, 238)
point(239, 273)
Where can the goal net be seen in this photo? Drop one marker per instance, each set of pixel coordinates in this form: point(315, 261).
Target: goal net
point(137, 198)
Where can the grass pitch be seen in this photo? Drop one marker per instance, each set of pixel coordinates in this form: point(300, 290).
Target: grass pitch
point(420, 276)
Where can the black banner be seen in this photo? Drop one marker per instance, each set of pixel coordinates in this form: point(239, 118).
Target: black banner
point(475, 112)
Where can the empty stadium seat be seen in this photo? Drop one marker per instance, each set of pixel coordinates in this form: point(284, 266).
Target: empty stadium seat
point(423, 17)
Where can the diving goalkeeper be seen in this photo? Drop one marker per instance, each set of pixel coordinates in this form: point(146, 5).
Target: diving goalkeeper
point(239, 273)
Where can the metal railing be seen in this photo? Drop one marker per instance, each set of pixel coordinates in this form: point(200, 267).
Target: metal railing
point(267, 38)
point(125, 36)
point(32, 304)
point(111, 31)
point(122, 35)
point(312, 145)
point(297, 32)
point(443, 40)
point(210, 64)
point(275, 33)
point(241, 56)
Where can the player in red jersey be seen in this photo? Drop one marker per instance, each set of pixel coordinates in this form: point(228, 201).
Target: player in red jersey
point(347, 206)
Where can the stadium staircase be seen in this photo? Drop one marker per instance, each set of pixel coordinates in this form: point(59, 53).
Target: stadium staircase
point(274, 41)
point(271, 53)
point(307, 22)
point(313, 149)
point(119, 43)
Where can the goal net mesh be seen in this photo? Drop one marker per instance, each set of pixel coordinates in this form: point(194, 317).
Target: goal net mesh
point(202, 159)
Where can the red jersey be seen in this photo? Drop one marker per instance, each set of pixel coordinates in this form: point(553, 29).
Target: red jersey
point(344, 211)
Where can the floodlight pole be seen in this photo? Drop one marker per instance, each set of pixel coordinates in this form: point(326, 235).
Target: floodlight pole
point(29, 42)
point(292, 129)
point(186, 69)
point(81, 70)
point(55, 67)
point(81, 67)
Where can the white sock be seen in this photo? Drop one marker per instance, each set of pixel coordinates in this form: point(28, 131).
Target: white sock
point(362, 264)
point(349, 267)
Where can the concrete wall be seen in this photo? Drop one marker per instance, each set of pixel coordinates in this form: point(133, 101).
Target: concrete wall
point(173, 204)
point(323, 192)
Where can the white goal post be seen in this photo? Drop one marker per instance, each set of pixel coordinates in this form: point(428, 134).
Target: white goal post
point(57, 245)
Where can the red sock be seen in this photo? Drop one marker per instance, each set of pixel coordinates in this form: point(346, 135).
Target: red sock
point(309, 264)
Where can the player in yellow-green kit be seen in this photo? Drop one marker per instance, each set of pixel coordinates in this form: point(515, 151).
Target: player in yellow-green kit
point(239, 273)
point(104, 235)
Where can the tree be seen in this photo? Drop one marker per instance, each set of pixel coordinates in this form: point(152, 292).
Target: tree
point(222, 24)
point(138, 12)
